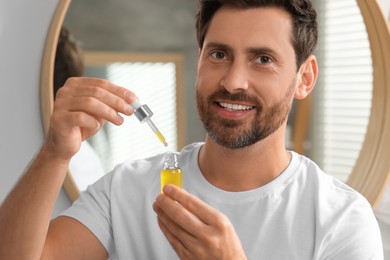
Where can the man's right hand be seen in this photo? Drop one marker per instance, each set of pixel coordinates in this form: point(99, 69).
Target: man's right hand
point(81, 108)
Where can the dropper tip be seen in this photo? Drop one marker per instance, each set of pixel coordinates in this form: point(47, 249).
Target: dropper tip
point(161, 138)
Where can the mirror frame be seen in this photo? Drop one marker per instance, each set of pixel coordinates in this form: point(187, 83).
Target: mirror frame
point(371, 173)
point(46, 88)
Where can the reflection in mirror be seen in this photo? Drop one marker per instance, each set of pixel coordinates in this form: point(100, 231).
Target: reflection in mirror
point(342, 96)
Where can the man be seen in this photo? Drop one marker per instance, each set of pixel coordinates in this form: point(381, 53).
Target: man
point(244, 196)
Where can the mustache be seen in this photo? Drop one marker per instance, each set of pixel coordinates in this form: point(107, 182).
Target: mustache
point(240, 96)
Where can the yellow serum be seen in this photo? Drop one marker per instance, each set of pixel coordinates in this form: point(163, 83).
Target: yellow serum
point(171, 176)
point(171, 172)
point(161, 138)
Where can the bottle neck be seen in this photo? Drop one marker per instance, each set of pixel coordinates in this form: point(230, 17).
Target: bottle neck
point(171, 161)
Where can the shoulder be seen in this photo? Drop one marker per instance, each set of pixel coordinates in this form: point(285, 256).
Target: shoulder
point(329, 188)
point(344, 217)
point(331, 198)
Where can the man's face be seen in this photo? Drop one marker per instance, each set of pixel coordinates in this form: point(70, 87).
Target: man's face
point(246, 75)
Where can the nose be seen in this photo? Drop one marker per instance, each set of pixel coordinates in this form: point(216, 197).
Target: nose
point(236, 78)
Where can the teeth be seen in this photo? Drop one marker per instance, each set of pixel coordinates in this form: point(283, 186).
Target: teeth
point(235, 107)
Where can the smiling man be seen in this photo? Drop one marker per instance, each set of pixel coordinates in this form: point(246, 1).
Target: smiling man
point(245, 196)
point(247, 78)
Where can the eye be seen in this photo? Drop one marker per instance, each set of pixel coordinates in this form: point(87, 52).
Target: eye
point(264, 59)
point(218, 55)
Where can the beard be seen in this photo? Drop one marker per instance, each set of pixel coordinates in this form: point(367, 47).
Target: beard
point(236, 134)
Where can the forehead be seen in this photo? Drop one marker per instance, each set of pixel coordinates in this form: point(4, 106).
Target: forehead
point(251, 28)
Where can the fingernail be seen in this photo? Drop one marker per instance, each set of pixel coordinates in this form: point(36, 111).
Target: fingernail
point(129, 109)
point(167, 188)
point(128, 97)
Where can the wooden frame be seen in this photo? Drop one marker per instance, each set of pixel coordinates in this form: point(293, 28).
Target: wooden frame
point(47, 69)
point(301, 124)
point(371, 172)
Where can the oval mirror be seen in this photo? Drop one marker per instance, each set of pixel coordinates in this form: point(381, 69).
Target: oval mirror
point(370, 173)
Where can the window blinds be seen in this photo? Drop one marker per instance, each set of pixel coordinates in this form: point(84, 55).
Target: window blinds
point(154, 83)
point(342, 97)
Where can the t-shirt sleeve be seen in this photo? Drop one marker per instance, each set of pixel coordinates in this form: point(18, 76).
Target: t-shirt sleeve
point(92, 209)
point(357, 236)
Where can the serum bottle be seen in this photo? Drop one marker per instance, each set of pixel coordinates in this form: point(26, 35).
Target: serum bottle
point(171, 173)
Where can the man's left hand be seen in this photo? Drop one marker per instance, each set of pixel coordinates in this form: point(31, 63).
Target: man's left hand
point(194, 229)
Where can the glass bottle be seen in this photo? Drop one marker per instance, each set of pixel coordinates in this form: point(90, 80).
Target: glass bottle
point(171, 173)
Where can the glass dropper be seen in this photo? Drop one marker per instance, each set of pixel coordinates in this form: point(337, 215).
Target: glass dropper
point(144, 114)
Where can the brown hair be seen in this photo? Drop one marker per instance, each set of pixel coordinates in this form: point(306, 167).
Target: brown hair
point(68, 60)
point(305, 32)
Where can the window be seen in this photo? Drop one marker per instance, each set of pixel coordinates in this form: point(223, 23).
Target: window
point(342, 97)
point(155, 80)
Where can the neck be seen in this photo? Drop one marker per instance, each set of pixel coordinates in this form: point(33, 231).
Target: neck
point(247, 168)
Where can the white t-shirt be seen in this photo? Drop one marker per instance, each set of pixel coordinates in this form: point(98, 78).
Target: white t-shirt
point(86, 166)
point(382, 213)
point(302, 214)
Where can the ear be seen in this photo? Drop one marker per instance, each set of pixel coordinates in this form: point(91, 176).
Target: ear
point(307, 77)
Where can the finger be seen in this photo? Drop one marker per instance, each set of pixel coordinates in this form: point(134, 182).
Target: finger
point(116, 102)
point(90, 131)
point(204, 212)
point(177, 245)
point(182, 249)
point(119, 91)
point(180, 215)
point(90, 106)
point(174, 228)
point(63, 122)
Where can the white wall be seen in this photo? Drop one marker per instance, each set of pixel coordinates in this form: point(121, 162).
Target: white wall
point(385, 4)
point(23, 29)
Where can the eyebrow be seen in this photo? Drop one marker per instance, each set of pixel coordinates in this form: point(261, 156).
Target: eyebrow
point(218, 46)
point(254, 50)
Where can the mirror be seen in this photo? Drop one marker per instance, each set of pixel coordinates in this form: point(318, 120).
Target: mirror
point(342, 97)
point(371, 171)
